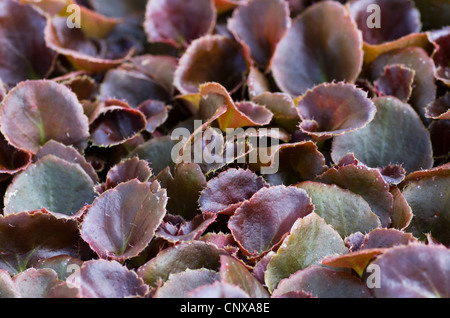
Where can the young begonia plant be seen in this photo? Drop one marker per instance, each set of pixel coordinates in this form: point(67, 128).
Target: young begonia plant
point(224, 148)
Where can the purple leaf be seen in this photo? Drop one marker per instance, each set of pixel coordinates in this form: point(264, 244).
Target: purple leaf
point(334, 109)
point(367, 182)
point(122, 221)
point(323, 282)
point(213, 58)
point(427, 196)
point(260, 25)
point(107, 279)
point(397, 19)
point(218, 290)
point(261, 222)
point(35, 112)
point(179, 285)
point(36, 283)
point(155, 112)
point(414, 271)
point(226, 192)
point(68, 154)
point(178, 22)
point(234, 272)
point(127, 170)
point(83, 52)
point(322, 45)
point(397, 81)
point(28, 237)
point(131, 86)
point(440, 108)
point(23, 52)
point(115, 125)
point(395, 136)
point(417, 59)
point(183, 188)
point(176, 229)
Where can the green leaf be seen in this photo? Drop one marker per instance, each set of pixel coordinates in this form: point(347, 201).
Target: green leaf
point(51, 183)
point(395, 136)
point(311, 240)
point(176, 259)
point(346, 211)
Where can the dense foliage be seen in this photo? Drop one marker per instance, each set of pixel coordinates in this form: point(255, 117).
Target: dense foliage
point(356, 124)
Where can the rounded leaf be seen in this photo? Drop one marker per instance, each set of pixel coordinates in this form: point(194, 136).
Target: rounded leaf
point(122, 221)
point(414, 271)
point(176, 259)
point(267, 217)
point(310, 240)
point(183, 188)
point(83, 52)
point(429, 198)
point(175, 229)
point(368, 183)
point(156, 113)
point(283, 108)
point(397, 81)
point(260, 24)
point(63, 265)
point(346, 211)
point(180, 284)
point(115, 125)
point(131, 86)
point(27, 237)
point(418, 60)
point(127, 170)
point(322, 45)
point(35, 112)
point(157, 151)
point(395, 136)
point(212, 58)
point(397, 18)
point(226, 192)
point(440, 108)
point(36, 283)
point(24, 54)
point(216, 100)
point(295, 162)
point(334, 109)
point(386, 238)
point(67, 153)
point(323, 282)
point(178, 22)
point(107, 279)
point(234, 272)
point(51, 183)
